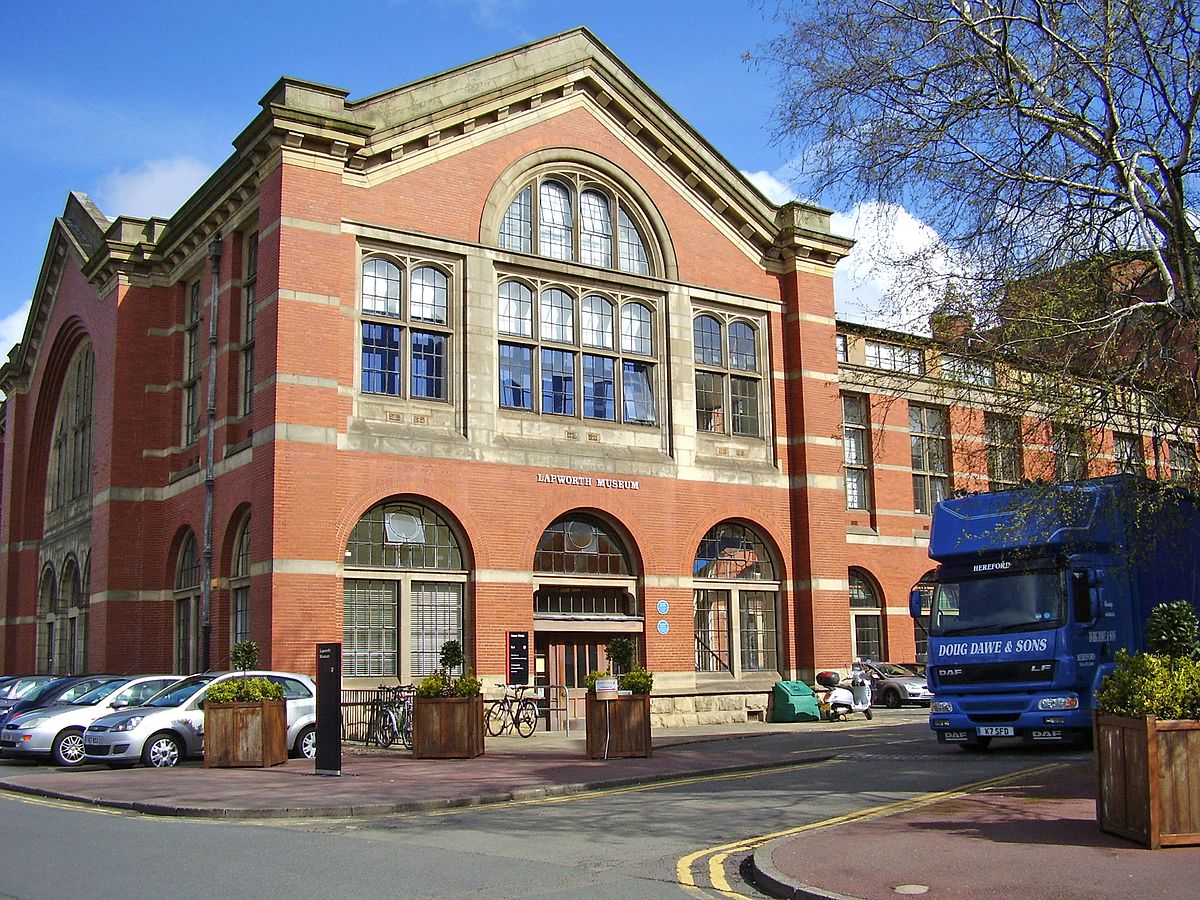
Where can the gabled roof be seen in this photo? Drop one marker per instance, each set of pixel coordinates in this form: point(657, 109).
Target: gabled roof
point(79, 231)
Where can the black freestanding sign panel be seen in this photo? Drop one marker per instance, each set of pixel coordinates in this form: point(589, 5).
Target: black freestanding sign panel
point(329, 709)
point(518, 657)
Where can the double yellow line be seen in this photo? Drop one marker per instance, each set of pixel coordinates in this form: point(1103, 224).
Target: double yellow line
point(718, 855)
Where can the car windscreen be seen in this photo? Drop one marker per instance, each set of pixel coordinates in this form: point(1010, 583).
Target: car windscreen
point(999, 603)
point(70, 693)
point(23, 687)
point(179, 693)
point(95, 695)
point(891, 670)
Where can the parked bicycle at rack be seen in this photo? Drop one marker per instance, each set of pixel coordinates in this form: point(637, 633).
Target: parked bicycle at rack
point(394, 715)
point(513, 711)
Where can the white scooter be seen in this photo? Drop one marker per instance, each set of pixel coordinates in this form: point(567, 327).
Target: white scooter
point(840, 699)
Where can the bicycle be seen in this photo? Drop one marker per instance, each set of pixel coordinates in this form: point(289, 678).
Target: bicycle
point(394, 715)
point(512, 711)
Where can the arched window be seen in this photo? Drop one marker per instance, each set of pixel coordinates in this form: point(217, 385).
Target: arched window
point(728, 386)
point(70, 472)
point(735, 583)
point(405, 339)
point(48, 623)
point(581, 545)
point(866, 617)
point(74, 624)
point(575, 219)
point(403, 592)
point(187, 607)
point(239, 584)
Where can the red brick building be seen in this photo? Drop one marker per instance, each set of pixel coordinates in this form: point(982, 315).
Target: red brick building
point(510, 349)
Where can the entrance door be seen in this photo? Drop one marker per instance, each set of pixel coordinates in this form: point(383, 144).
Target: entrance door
point(568, 660)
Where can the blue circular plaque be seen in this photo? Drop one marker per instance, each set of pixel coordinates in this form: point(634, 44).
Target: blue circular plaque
point(663, 607)
point(663, 626)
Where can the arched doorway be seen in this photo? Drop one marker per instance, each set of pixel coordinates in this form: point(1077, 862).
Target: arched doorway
point(585, 594)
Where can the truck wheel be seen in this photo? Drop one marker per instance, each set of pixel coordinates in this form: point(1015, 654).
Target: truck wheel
point(980, 745)
point(892, 699)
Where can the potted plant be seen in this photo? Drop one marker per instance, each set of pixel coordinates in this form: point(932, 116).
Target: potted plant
point(620, 726)
point(245, 718)
point(448, 711)
point(1147, 735)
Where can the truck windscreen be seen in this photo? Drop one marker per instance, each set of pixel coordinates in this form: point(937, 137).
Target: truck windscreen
point(995, 603)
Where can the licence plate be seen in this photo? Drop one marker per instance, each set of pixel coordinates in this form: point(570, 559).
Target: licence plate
point(91, 741)
point(996, 731)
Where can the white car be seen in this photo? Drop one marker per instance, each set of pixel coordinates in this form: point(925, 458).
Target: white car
point(169, 727)
point(57, 731)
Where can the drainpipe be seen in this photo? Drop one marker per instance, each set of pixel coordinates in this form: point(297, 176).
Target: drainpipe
point(210, 427)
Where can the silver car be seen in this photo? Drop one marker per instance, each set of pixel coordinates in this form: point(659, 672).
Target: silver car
point(170, 726)
point(57, 731)
point(893, 686)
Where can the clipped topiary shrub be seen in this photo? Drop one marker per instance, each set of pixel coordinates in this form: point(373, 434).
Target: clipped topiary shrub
point(636, 680)
point(1171, 630)
point(243, 656)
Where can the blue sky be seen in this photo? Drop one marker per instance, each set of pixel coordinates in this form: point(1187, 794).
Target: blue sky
point(135, 103)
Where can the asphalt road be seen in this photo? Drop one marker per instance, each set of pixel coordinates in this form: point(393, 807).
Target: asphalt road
point(683, 838)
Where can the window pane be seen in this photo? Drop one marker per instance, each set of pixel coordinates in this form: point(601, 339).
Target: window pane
point(436, 617)
point(516, 231)
point(633, 251)
point(744, 397)
point(597, 322)
point(637, 393)
point(558, 316)
point(712, 631)
point(380, 359)
point(369, 615)
point(555, 234)
point(516, 309)
point(397, 535)
point(732, 551)
point(429, 365)
point(516, 377)
point(757, 615)
point(635, 329)
point(381, 288)
point(595, 229)
point(742, 353)
point(558, 382)
point(581, 545)
point(427, 299)
point(710, 402)
point(599, 397)
point(706, 333)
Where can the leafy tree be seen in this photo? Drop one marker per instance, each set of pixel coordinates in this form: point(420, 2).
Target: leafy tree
point(1052, 145)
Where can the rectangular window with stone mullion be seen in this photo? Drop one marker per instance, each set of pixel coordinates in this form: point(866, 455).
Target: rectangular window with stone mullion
point(1002, 437)
point(191, 365)
point(856, 451)
point(929, 436)
point(249, 299)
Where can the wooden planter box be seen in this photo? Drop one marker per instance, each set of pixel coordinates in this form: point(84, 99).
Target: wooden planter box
point(1147, 789)
point(619, 727)
point(447, 727)
point(245, 734)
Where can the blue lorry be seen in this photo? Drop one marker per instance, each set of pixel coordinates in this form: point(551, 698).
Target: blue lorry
point(1037, 589)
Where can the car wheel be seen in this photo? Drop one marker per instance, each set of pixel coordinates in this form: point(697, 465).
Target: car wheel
point(306, 743)
point(162, 751)
point(67, 749)
point(891, 699)
point(867, 712)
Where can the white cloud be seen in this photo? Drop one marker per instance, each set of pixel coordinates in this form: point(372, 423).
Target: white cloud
point(772, 184)
point(897, 271)
point(157, 187)
point(12, 329)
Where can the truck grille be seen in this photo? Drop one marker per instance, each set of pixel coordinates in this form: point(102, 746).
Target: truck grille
point(1023, 672)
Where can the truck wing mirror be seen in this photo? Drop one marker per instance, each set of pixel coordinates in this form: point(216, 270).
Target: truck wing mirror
point(915, 599)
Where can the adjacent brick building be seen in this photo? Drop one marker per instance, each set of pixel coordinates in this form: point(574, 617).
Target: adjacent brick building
point(509, 350)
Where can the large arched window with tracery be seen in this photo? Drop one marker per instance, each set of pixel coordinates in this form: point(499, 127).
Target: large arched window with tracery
point(575, 216)
point(736, 600)
point(403, 591)
point(70, 472)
